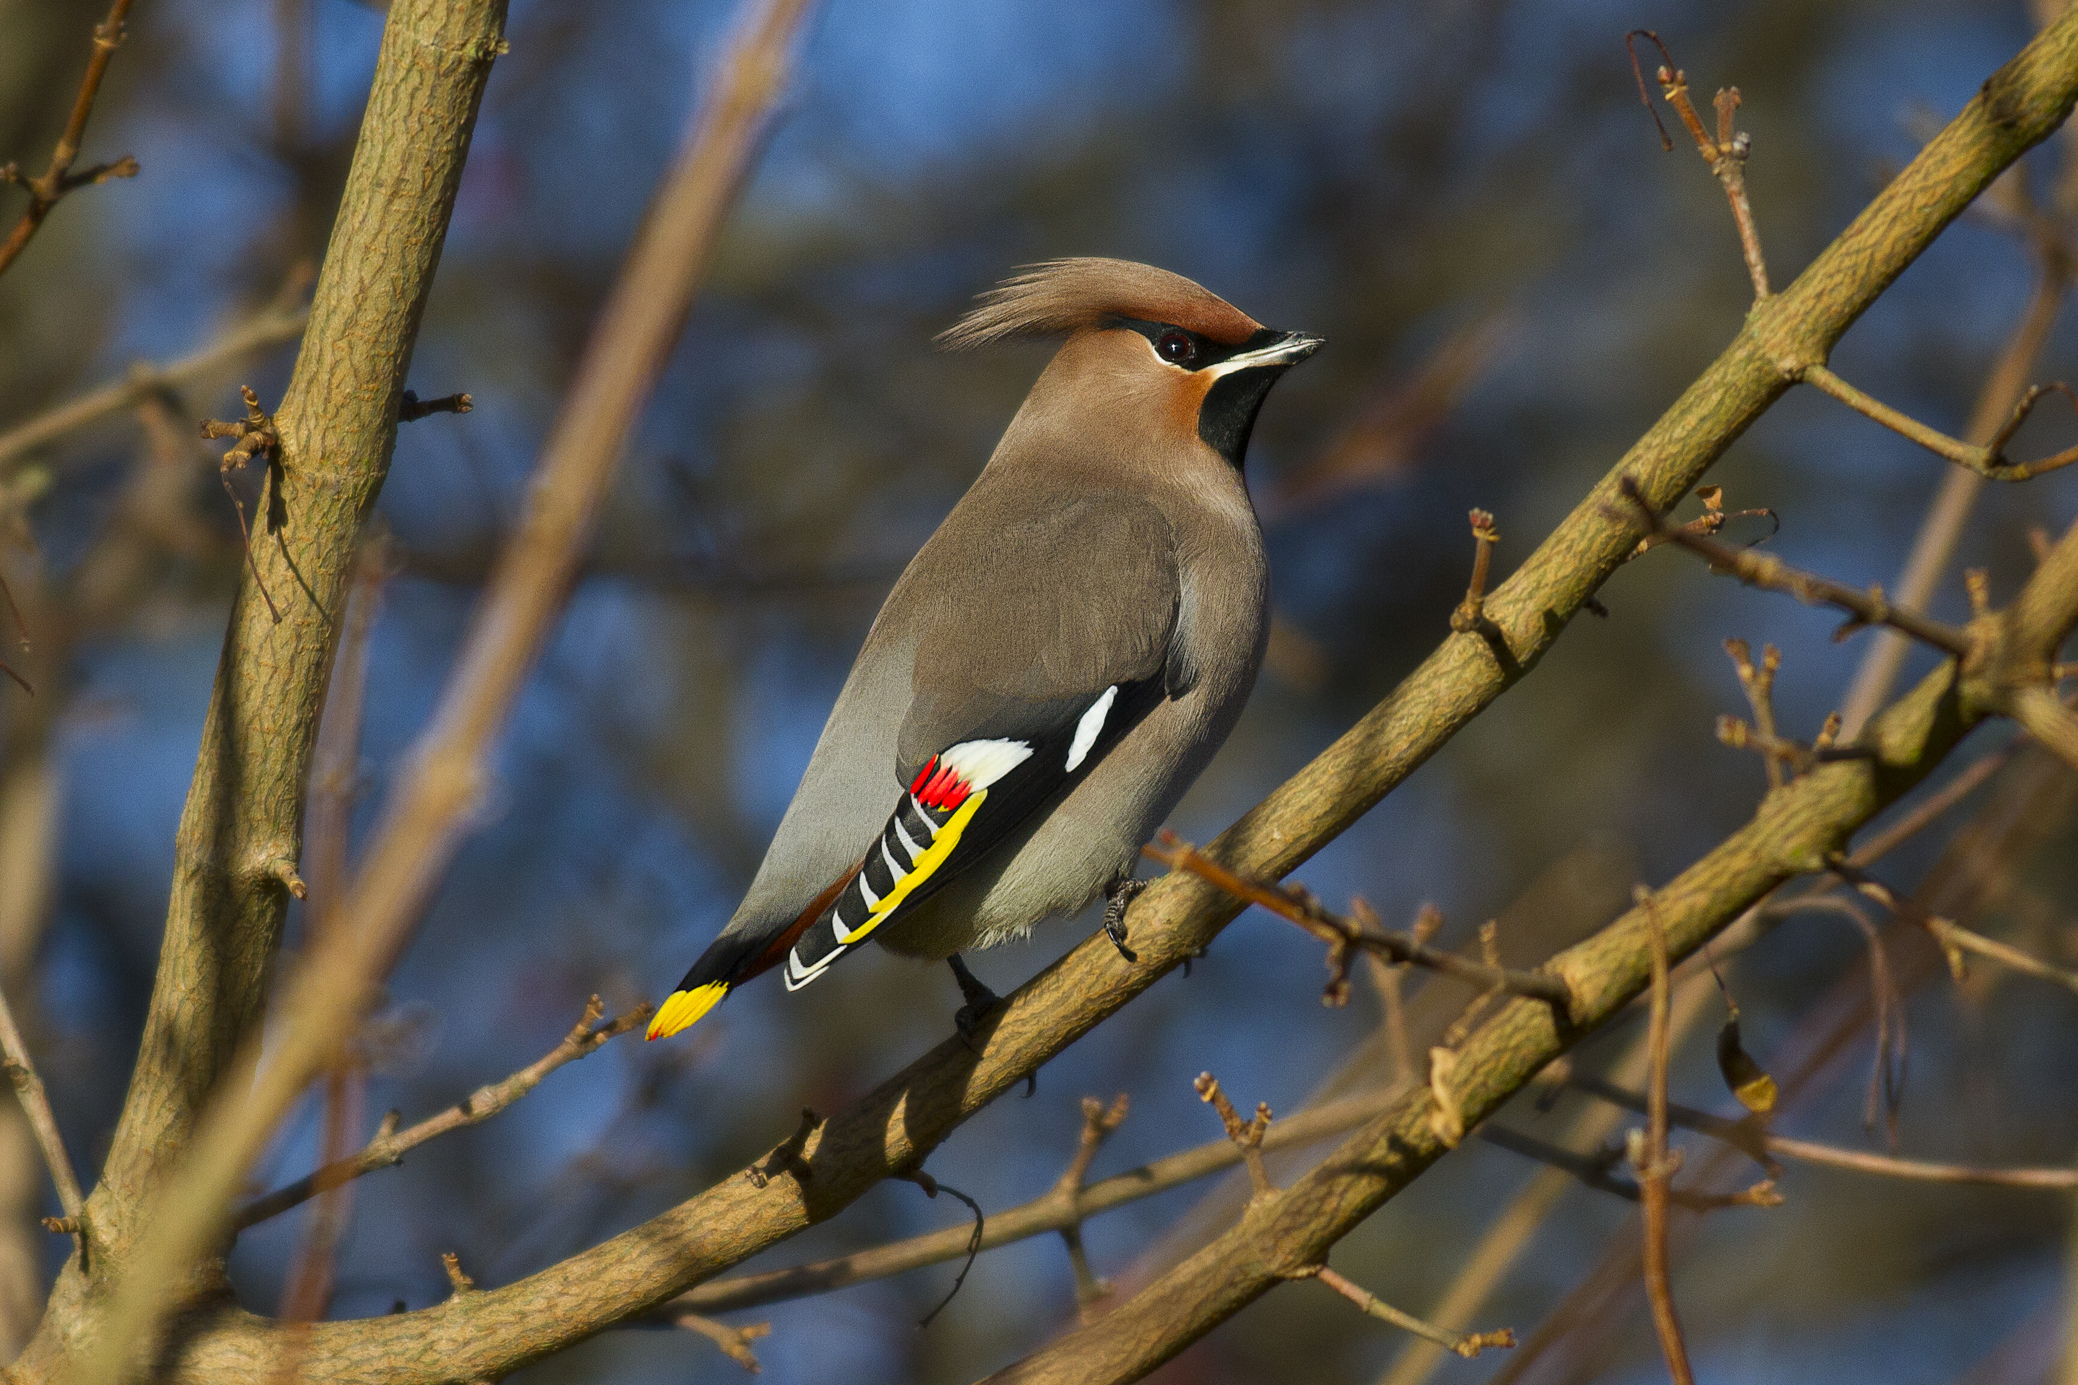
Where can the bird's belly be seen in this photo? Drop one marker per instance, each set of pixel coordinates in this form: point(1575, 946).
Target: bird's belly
point(1074, 850)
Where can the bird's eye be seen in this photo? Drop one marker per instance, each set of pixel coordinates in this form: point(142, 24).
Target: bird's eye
point(1176, 348)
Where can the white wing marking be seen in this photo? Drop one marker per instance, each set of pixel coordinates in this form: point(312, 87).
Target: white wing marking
point(1090, 727)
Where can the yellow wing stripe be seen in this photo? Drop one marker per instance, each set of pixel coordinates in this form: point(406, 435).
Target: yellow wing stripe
point(934, 856)
point(681, 1008)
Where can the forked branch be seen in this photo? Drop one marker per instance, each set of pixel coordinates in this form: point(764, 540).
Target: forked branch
point(58, 177)
point(1990, 460)
point(1345, 936)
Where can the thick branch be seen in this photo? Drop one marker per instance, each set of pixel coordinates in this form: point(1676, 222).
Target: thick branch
point(1791, 834)
point(1053, 1210)
point(427, 815)
point(239, 832)
point(337, 428)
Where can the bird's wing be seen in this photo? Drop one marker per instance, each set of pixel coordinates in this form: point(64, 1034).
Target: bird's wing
point(1048, 638)
point(1059, 642)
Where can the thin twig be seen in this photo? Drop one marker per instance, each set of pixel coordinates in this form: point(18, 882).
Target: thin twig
point(1758, 682)
point(256, 437)
point(432, 808)
point(932, 1187)
point(1713, 520)
point(1940, 531)
point(1098, 1121)
point(57, 179)
point(389, 1147)
point(1247, 1135)
point(1343, 935)
point(1595, 1171)
point(1389, 980)
point(411, 408)
point(1051, 1211)
point(1777, 751)
point(1765, 570)
point(36, 1104)
point(1472, 609)
point(1465, 1344)
point(270, 327)
point(1988, 460)
point(734, 1341)
point(1650, 1157)
point(1887, 1070)
point(1725, 155)
point(1953, 938)
point(1749, 1137)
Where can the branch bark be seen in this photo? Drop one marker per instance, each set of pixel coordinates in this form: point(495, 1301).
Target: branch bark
point(426, 817)
point(1279, 1238)
point(243, 817)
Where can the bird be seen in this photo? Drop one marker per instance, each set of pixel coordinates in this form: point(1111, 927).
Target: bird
point(1056, 665)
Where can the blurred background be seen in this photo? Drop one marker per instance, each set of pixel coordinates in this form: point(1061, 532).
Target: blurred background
point(1465, 198)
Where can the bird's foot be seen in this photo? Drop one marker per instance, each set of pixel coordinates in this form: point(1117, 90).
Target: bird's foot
point(980, 1000)
point(1116, 903)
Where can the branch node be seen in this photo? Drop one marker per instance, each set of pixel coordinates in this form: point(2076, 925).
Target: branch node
point(1465, 1344)
point(1471, 612)
point(461, 1282)
point(1977, 582)
point(733, 1341)
point(787, 1157)
point(256, 436)
point(1447, 1119)
point(410, 408)
point(283, 869)
point(1246, 1135)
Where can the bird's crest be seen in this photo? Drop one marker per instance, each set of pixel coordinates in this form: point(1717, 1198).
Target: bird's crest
point(1063, 296)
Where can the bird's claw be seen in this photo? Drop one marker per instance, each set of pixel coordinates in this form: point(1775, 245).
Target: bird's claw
point(1121, 899)
point(980, 1001)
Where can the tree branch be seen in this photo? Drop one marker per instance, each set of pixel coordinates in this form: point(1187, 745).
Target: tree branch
point(1941, 530)
point(1051, 1211)
point(427, 814)
point(1755, 1141)
point(36, 1103)
point(284, 321)
point(46, 191)
point(390, 1146)
point(1344, 936)
point(1650, 1157)
point(1770, 572)
point(337, 429)
point(1276, 1237)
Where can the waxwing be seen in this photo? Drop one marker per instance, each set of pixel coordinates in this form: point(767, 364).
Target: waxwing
point(1054, 667)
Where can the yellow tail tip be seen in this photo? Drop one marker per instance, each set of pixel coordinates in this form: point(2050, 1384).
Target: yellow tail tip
point(682, 1008)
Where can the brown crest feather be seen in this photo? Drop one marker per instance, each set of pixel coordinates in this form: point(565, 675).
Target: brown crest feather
point(1063, 296)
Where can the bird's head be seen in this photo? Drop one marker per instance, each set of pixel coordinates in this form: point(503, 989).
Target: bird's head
point(1147, 350)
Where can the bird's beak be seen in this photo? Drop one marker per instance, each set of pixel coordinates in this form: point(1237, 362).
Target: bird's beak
point(1287, 349)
